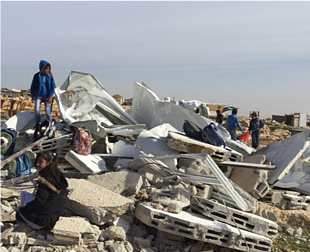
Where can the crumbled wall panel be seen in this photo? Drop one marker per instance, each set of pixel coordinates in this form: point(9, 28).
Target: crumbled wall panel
point(54, 143)
point(194, 227)
point(247, 221)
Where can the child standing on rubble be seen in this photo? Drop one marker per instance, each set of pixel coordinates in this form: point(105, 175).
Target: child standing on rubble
point(50, 190)
point(42, 91)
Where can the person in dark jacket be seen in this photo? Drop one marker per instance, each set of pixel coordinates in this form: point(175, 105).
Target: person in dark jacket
point(256, 125)
point(219, 117)
point(42, 91)
point(50, 192)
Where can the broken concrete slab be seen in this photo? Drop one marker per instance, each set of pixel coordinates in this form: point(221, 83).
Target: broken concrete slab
point(183, 143)
point(125, 183)
point(232, 216)
point(74, 230)
point(95, 202)
point(252, 181)
point(89, 164)
point(285, 153)
point(194, 227)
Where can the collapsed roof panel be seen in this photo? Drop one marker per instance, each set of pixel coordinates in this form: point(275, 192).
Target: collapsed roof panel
point(148, 109)
point(81, 106)
point(285, 153)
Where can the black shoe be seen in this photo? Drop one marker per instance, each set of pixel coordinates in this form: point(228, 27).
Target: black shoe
point(35, 134)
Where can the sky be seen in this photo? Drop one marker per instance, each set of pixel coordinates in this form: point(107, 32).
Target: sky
point(251, 55)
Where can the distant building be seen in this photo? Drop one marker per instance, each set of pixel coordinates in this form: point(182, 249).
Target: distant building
point(213, 107)
point(128, 102)
point(120, 99)
point(296, 120)
point(279, 118)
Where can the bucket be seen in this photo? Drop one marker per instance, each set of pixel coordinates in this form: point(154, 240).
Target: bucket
point(244, 137)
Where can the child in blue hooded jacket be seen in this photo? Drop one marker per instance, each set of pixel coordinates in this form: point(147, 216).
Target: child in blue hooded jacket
point(42, 90)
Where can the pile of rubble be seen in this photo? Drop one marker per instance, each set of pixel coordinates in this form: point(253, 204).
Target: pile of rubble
point(147, 186)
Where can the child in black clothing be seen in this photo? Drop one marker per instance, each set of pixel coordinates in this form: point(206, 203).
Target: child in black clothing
point(49, 203)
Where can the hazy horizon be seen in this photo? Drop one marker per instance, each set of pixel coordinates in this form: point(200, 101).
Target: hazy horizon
point(251, 55)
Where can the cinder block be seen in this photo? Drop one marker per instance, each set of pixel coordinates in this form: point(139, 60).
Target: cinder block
point(306, 206)
point(275, 196)
point(204, 191)
point(183, 143)
point(294, 198)
point(194, 227)
point(53, 144)
point(244, 220)
point(288, 205)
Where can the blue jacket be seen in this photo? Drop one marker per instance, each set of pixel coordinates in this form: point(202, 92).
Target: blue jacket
point(37, 82)
point(232, 120)
point(255, 125)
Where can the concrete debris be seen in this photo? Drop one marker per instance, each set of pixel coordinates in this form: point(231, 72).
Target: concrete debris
point(252, 181)
point(74, 230)
point(247, 221)
point(7, 214)
point(89, 164)
point(183, 143)
point(95, 202)
point(171, 194)
point(125, 183)
point(146, 186)
point(115, 233)
point(194, 227)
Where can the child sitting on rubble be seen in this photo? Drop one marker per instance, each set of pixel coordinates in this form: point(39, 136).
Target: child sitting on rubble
point(42, 90)
point(50, 191)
